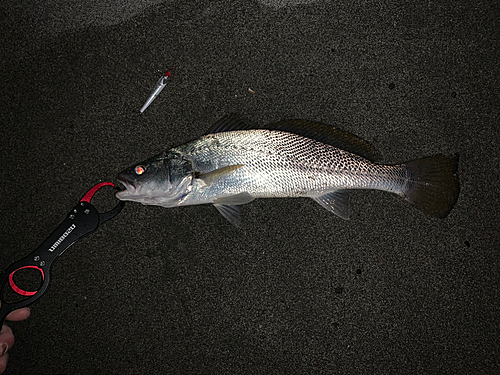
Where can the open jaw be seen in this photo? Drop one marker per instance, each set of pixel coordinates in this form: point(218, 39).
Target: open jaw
point(130, 189)
point(136, 193)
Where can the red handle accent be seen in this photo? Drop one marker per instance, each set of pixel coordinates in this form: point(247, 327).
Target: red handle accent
point(20, 291)
point(92, 191)
point(168, 73)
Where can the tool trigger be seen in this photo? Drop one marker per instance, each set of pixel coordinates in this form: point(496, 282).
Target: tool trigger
point(107, 215)
point(112, 213)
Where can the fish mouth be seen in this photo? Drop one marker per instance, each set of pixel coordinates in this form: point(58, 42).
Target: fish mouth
point(129, 188)
point(134, 193)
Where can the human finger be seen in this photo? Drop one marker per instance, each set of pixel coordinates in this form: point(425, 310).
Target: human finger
point(19, 314)
point(6, 342)
point(6, 339)
point(3, 362)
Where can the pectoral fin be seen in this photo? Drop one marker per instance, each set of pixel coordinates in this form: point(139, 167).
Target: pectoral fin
point(336, 202)
point(229, 207)
point(211, 177)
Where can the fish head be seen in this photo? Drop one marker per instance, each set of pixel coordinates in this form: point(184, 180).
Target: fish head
point(164, 180)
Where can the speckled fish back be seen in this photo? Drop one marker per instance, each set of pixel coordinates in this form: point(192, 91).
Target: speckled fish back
point(281, 164)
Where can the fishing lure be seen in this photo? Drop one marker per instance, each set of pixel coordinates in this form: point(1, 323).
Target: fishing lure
point(160, 85)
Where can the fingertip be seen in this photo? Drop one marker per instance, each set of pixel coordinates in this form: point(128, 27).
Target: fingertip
point(3, 362)
point(6, 329)
point(3, 348)
point(18, 315)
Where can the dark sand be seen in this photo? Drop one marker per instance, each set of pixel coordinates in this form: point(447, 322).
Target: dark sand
point(298, 290)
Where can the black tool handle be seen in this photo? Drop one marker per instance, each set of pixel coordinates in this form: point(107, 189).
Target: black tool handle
point(82, 220)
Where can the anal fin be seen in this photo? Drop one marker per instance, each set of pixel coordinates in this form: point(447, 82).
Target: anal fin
point(336, 202)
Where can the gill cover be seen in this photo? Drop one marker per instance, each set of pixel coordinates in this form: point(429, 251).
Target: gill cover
point(181, 178)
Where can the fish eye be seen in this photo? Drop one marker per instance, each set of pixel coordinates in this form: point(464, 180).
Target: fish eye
point(140, 170)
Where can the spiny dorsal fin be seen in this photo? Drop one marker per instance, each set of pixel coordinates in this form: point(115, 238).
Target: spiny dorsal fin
point(212, 176)
point(310, 129)
point(327, 134)
point(229, 123)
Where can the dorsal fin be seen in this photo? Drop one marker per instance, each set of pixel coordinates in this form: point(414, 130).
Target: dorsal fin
point(327, 134)
point(229, 123)
point(310, 129)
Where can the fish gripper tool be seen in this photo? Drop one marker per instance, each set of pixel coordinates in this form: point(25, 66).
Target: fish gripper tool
point(82, 220)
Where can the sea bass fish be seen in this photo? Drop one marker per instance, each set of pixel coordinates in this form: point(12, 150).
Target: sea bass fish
point(236, 162)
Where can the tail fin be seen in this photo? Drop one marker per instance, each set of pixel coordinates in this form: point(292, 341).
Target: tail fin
point(434, 186)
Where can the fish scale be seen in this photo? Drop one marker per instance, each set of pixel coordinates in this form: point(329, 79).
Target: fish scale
point(279, 164)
